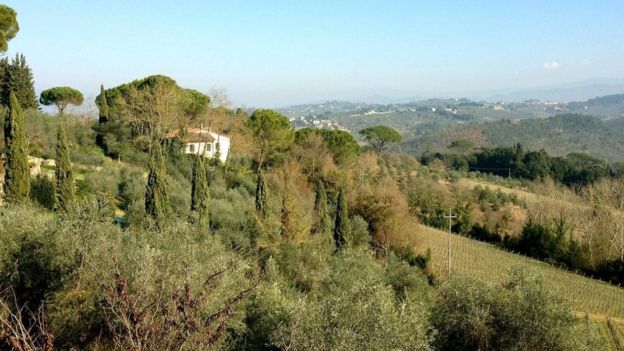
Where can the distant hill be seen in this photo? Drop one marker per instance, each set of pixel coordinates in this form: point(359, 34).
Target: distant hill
point(610, 106)
point(577, 91)
point(558, 135)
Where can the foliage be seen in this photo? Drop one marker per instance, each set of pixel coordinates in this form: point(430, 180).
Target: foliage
point(43, 191)
point(514, 161)
point(97, 280)
point(8, 26)
point(199, 193)
point(16, 168)
point(157, 203)
point(261, 194)
point(143, 110)
point(64, 174)
point(380, 136)
point(342, 227)
point(517, 315)
point(16, 76)
point(353, 309)
point(273, 134)
point(341, 144)
point(61, 97)
point(321, 206)
point(558, 135)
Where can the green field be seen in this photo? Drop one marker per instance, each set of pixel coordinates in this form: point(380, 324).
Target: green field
point(486, 262)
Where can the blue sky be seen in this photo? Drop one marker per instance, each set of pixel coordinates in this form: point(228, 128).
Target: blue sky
point(273, 53)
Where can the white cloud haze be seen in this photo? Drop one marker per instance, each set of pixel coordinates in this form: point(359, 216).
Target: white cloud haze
point(551, 65)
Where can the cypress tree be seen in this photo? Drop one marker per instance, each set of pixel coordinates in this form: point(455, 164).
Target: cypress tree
point(341, 225)
point(261, 205)
point(16, 76)
point(156, 198)
point(104, 109)
point(199, 191)
point(321, 208)
point(17, 170)
point(64, 176)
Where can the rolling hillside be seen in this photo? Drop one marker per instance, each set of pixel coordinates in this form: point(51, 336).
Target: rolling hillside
point(558, 135)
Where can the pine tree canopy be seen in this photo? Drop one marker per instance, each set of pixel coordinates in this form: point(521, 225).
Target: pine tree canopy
point(61, 97)
point(8, 26)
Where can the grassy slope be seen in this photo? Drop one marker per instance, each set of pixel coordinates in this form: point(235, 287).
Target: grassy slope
point(486, 262)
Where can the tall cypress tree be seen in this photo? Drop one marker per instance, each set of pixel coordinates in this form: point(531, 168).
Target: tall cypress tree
point(199, 191)
point(261, 196)
point(64, 175)
point(341, 225)
point(321, 208)
point(104, 111)
point(157, 203)
point(17, 171)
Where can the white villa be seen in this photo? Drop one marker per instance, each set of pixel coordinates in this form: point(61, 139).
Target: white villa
point(204, 142)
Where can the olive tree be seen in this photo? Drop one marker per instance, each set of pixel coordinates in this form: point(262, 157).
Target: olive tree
point(61, 97)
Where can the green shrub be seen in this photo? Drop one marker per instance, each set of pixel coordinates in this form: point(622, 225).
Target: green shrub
point(517, 315)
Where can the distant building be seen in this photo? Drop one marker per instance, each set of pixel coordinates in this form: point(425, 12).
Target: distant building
point(203, 142)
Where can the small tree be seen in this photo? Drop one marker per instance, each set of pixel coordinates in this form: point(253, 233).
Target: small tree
point(8, 26)
point(64, 176)
point(272, 131)
point(16, 76)
point(17, 171)
point(199, 192)
point(287, 220)
point(380, 136)
point(261, 196)
point(157, 203)
point(61, 97)
point(341, 224)
point(321, 207)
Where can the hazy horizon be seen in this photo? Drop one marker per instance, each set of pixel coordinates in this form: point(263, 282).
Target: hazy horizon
point(267, 54)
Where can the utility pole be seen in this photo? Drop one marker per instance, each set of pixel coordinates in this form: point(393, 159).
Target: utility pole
point(362, 177)
point(450, 217)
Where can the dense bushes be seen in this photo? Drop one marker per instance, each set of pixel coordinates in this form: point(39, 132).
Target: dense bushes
point(353, 309)
point(517, 315)
point(78, 264)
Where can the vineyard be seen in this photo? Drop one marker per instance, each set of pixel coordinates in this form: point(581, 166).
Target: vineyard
point(488, 263)
point(604, 303)
point(612, 332)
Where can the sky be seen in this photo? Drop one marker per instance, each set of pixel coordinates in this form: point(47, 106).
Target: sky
point(282, 52)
